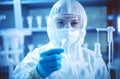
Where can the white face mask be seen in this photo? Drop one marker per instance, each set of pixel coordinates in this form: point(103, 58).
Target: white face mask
point(70, 36)
point(73, 36)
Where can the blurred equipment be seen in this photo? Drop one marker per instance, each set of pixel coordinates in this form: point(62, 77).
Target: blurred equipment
point(13, 44)
point(109, 31)
point(112, 63)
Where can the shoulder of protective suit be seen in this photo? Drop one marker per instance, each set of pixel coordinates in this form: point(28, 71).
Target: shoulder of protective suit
point(89, 54)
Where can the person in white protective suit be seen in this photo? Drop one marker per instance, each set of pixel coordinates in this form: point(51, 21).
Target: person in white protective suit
point(63, 57)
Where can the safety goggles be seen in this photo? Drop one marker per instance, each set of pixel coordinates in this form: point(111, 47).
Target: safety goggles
point(68, 21)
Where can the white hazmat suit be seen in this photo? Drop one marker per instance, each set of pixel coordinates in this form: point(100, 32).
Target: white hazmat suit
point(77, 62)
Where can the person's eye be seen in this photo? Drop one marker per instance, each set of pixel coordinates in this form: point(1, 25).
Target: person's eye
point(60, 24)
point(74, 24)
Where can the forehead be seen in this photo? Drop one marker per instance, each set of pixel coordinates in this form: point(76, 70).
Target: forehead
point(66, 17)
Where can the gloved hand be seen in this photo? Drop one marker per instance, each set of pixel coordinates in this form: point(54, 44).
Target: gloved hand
point(50, 62)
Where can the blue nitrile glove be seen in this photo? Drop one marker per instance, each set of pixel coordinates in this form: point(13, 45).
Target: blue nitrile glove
point(50, 62)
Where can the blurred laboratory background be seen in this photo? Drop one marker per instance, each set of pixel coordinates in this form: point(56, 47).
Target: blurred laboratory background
point(23, 28)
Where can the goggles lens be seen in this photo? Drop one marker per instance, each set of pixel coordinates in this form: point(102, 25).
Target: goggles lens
point(68, 21)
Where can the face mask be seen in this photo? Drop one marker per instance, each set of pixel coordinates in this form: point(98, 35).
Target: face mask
point(68, 36)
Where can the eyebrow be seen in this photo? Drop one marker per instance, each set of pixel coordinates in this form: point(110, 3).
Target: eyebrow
point(60, 19)
point(74, 20)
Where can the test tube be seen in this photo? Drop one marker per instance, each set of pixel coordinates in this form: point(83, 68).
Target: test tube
point(97, 49)
point(30, 47)
point(39, 21)
point(63, 42)
point(29, 19)
point(2, 17)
